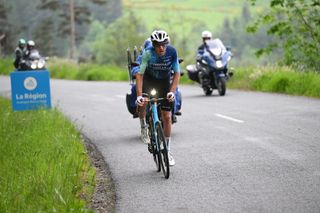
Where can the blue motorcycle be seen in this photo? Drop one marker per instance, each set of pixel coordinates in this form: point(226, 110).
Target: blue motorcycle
point(211, 70)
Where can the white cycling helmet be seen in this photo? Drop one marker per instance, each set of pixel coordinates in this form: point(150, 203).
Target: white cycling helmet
point(159, 36)
point(31, 43)
point(206, 34)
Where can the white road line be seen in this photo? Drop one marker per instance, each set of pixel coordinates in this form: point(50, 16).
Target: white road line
point(121, 96)
point(229, 118)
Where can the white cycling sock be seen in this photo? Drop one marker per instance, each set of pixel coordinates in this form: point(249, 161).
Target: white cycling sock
point(168, 139)
point(143, 122)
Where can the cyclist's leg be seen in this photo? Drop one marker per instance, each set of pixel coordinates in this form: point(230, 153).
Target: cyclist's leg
point(146, 84)
point(166, 116)
point(166, 109)
point(166, 119)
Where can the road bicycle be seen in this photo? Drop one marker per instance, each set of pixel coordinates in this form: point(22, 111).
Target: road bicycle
point(158, 145)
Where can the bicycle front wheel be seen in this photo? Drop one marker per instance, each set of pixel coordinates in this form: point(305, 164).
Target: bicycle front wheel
point(154, 146)
point(156, 156)
point(163, 151)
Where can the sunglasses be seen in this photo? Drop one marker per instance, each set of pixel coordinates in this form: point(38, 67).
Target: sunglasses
point(164, 44)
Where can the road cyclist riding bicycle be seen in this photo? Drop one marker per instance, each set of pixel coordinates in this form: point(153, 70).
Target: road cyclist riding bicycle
point(155, 71)
point(133, 68)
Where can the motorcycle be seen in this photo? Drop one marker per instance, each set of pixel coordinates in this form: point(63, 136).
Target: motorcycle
point(211, 70)
point(33, 62)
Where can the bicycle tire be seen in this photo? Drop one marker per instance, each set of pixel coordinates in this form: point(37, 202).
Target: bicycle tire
point(163, 154)
point(155, 155)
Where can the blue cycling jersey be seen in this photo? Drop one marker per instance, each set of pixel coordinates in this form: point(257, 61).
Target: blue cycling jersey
point(159, 67)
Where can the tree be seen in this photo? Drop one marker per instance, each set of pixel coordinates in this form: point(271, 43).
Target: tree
point(110, 46)
point(114, 8)
point(5, 32)
point(86, 52)
point(71, 15)
point(44, 36)
point(184, 35)
point(296, 23)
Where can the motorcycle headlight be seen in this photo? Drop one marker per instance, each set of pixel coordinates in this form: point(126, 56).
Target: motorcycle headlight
point(33, 65)
point(219, 64)
point(40, 64)
point(153, 92)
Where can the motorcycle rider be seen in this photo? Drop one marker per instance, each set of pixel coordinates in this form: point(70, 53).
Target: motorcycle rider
point(155, 72)
point(20, 52)
point(206, 35)
point(30, 47)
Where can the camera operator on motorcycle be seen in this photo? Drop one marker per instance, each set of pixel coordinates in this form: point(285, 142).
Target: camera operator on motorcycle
point(20, 52)
point(155, 72)
point(30, 48)
point(206, 35)
point(32, 60)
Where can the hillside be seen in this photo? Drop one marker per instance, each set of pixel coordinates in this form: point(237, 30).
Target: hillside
point(169, 13)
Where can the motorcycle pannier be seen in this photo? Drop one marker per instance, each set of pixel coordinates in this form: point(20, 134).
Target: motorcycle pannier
point(193, 72)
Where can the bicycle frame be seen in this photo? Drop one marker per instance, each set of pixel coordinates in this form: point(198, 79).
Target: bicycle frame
point(153, 107)
point(156, 134)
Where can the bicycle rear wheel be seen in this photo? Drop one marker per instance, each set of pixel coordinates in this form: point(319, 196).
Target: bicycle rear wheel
point(163, 154)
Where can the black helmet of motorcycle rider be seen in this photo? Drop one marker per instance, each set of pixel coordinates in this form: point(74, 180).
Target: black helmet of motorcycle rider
point(159, 37)
point(30, 45)
point(22, 43)
point(206, 35)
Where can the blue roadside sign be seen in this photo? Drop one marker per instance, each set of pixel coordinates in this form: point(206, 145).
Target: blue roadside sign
point(30, 90)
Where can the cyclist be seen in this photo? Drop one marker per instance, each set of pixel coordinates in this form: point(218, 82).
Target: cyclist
point(135, 70)
point(155, 72)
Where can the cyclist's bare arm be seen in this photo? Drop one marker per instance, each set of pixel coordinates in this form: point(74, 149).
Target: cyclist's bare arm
point(175, 82)
point(139, 79)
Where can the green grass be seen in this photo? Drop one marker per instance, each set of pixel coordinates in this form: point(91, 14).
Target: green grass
point(6, 66)
point(67, 69)
point(43, 163)
point(277, 79)
point(212, 13)
point(267, 79)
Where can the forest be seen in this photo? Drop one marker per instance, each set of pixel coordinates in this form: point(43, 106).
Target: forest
point(284, 32)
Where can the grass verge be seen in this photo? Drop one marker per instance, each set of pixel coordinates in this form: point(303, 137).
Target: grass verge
point(66, 69)
point(277, 79)
point(43, 163)
point(6, 66)
point(267, 79)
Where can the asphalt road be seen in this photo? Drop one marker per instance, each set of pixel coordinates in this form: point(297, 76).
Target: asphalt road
point(244, 152)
